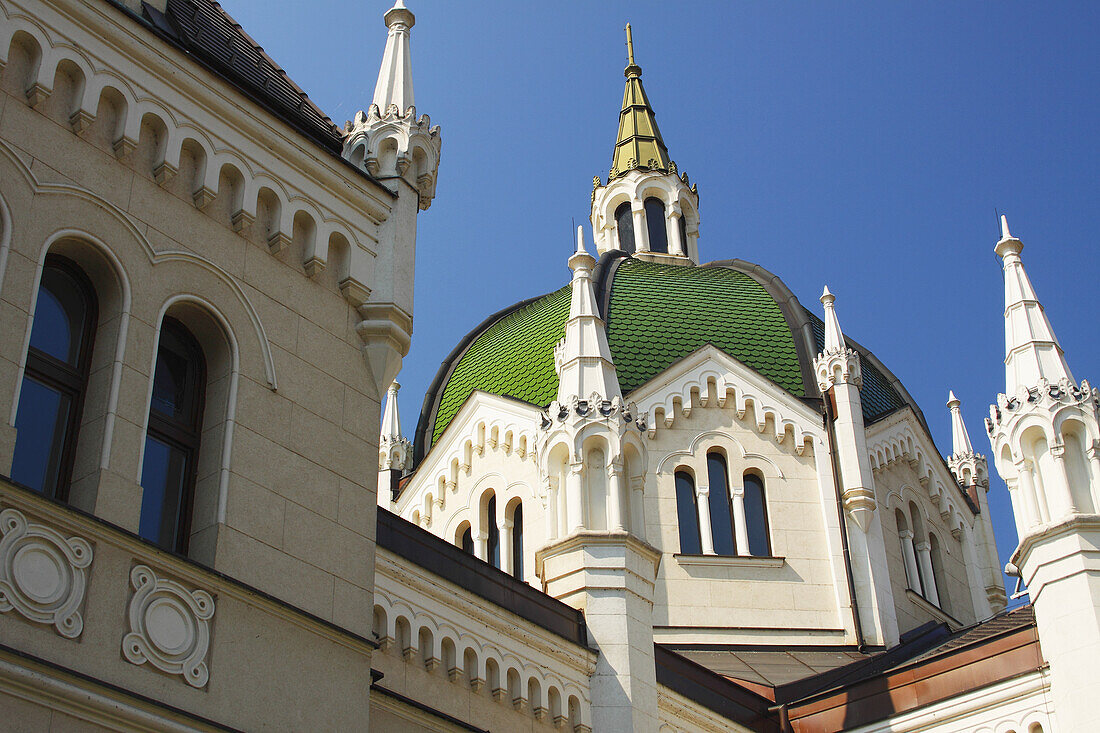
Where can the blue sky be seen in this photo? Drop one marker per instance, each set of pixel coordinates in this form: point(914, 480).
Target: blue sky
point(863, 145)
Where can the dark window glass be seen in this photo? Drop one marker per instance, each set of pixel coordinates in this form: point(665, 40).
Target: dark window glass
point(683, 233)
point(55, 379)
point(467, 541)
point(494, 532)
point(172, 443)
point(517, 542)
point(756, 516)
point(721, 515)
point(655, 225)
point(687, 515)
point(624, 222)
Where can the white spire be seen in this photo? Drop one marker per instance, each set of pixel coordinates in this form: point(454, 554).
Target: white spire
point(391, 421)
point(583, 356)
point(960, 440)
point(1031, 350)
point(834, 339)
point(395, 82)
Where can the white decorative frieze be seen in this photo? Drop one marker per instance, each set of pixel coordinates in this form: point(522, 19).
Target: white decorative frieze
point(43, 574)
point(169, 626)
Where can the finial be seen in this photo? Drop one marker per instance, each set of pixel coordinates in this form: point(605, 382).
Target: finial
point(827, 298)
point(394, 385)
point(952, 400)
point(581, 260)
point(629, 46)
point(1005, 234)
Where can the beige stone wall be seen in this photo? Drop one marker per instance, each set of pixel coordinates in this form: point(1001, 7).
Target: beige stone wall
point(256, 651)
point(286, 494)
point(798, 593)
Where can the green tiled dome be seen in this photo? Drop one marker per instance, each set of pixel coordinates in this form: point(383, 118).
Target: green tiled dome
point(655, 315)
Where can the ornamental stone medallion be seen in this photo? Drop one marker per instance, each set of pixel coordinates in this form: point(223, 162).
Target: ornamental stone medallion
point(169, 626)
point(43, 575)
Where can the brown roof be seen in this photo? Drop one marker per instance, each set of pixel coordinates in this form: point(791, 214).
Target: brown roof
point(203, 30)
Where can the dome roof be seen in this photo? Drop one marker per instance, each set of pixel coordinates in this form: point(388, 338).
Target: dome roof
point(733, 305)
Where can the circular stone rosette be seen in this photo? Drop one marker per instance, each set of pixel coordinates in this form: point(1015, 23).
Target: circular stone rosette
point(42, 573)
point(169, 626)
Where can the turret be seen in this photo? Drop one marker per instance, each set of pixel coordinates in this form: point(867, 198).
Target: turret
point(1044, 431)
point(402, 152)
point(979, 548)
point(394, 450)
point(839, 378)
point(646, 206)
point(592, 466)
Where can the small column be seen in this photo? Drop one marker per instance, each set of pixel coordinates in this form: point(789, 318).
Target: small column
point(637, 506)
point(1032, 514)
point(1093, 454)
point(641, 231)
point(910, 557)
point(706, 533)
point(740, 524)
point(677, 246)
point(506, 559)
point(574, 503)
point(481, 545)
point(1058, 453)
point(551, 510)
point(928, 575)
point(614, 496)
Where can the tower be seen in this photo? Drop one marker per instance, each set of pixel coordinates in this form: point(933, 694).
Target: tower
point(647, 206)
point(591, 458)
point(1043, 431)
point(402, 152)
point(839, 378)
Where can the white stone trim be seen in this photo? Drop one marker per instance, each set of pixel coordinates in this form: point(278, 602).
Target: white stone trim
point(671, 394)
point(730, 561)
point(169, 626)
point(43, 574)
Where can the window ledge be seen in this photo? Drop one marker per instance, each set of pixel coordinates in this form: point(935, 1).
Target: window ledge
point(933, 609)
point(731, 561)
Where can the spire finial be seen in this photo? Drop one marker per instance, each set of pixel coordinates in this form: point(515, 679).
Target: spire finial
point(394, 86)
point(960, 440)
point(581, 260)
point(1005, 234)
point(834, 338)
point(629, 46)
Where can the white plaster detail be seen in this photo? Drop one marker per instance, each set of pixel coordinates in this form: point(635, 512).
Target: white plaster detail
point(43, 574)
point(169, 626)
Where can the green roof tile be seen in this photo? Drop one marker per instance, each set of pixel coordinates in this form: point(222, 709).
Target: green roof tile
point(514, 357)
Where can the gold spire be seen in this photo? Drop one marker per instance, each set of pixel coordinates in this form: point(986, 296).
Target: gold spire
point(639, 144)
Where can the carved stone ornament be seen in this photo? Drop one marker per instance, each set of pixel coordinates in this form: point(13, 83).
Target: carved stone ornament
point(42, 574)
point(169, 626)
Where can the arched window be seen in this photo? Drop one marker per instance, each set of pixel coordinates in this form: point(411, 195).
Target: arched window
point(494, 532)
point(55, 379)
point(683, 233)
point(624, 222)
point(938, 577)
point(466, 541)
point(687, 515)
point(756, 516)
point(655, 225)
point(721, 513)
point(168, 471)
point(517, 541)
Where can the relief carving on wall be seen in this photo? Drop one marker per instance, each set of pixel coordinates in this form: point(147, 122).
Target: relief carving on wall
point(43, 575)
point(169, 626)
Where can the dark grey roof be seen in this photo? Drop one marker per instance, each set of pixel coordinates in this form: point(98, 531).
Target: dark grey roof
point(203, 30)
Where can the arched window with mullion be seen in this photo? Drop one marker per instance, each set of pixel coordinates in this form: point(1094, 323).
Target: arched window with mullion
point(756, 516)
point(721, 512)
point(624, 223)
point(55, 379)
point(517, 541)
point(687, 515)
point(172, 441)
